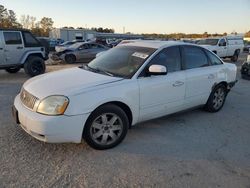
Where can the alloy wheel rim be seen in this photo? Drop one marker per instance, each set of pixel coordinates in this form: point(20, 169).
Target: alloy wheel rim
point(219, 97)
point(106, 129)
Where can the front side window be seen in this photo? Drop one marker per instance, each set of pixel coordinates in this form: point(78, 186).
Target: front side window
point(213, 59)
point(169, 57)
point(12, 38)
point(30, 40)
point(194, 57)
point(122, 61)
point(222, 42)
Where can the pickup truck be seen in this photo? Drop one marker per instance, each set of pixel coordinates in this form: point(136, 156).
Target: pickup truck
point(224, 47)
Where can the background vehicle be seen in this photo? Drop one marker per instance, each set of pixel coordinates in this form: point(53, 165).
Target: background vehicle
point(65, 45)
point(247, 47)
point(245, 69)
point(79, 52)
point(126, 85)
point(20, 49)
point(225, 47)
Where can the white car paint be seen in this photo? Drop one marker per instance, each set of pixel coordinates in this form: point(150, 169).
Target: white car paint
point(147, 97)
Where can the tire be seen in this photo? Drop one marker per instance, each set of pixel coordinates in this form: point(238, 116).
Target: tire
point(70, 58)
point(100, 132)
point(34, 66)
point(216, 99)
point(235, 57)
point(13, 69)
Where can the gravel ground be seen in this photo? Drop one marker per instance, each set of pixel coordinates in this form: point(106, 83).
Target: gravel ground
point(188, 149)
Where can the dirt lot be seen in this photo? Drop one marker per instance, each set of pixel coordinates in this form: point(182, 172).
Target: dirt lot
point(188, 149)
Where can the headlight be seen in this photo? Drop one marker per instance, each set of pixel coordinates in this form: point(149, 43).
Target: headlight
point(53, 105)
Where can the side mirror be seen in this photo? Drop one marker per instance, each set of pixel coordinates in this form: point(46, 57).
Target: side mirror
point(157, 70)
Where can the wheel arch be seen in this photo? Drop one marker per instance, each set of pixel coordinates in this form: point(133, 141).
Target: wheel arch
point(123, 106)
point(27, 55)
point(220, 83)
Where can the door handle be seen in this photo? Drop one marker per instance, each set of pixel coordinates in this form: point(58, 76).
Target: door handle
point(178, 83)
point(19, 47)
point(211, 76)
point(1, 48)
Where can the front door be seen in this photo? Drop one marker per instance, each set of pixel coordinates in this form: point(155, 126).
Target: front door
point(14, 47)
point(163, 94)
point(222, 48)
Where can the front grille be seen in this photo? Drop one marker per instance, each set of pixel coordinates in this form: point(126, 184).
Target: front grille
point(28, 99)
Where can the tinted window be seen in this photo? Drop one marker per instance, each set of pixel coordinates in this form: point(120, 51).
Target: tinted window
point(123, 61)
point(222, 42)
point(12, 38)
point(30, 40)
point(169, 58)
point(194, 57)
point(213, 59)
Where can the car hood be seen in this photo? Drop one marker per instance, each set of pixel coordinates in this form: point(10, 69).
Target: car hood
point(66, 82)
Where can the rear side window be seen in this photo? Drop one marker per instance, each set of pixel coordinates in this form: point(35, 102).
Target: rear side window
point(194, 57)
point(30, 40)
point(12, 38)
point(169, 57)
point(213, 59)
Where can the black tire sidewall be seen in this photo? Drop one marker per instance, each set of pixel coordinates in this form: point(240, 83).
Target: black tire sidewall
point(73, 57)
point(109, 108)
point(28, 66)
point(209, 105)
point(13, 69)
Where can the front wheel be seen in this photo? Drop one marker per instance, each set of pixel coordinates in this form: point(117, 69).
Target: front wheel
point(216, 99)
point(13, 69)
point(70, 58)
point(34, 66)
point(106, 127)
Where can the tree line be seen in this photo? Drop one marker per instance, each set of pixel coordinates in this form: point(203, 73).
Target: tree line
point(8, 19)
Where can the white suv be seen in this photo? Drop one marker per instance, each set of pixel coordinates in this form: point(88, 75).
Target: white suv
point(20, 49)
point(128, 84)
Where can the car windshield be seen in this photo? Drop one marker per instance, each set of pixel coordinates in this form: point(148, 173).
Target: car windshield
point(123, 61)
point(212, 42)
point(76, 45)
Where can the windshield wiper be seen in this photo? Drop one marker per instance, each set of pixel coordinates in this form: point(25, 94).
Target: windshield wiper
point(97, 70)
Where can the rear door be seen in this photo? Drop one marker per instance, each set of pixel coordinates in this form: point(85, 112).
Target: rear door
point(14, 47)
point(199, 75)
point(83, 53)
point(95, 49)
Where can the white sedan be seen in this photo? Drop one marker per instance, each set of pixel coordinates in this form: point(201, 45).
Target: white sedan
point(128, 84)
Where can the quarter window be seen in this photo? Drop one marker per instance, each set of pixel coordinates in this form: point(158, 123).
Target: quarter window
point(12, 38)
point(194, 57)
point(170, 58)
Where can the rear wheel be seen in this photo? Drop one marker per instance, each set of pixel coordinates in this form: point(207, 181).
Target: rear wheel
point(34, 66)
point(106, 127)
point(13, 69)
point(216, 99)
point(70, 58)
point(235, 57)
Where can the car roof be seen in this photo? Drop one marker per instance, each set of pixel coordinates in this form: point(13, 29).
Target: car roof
point(12, 29)
point(154, 43)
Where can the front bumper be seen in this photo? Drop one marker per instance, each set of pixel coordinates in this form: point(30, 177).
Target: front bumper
point(52, 129)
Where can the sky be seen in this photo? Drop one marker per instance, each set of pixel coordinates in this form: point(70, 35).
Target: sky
point(141, 16)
